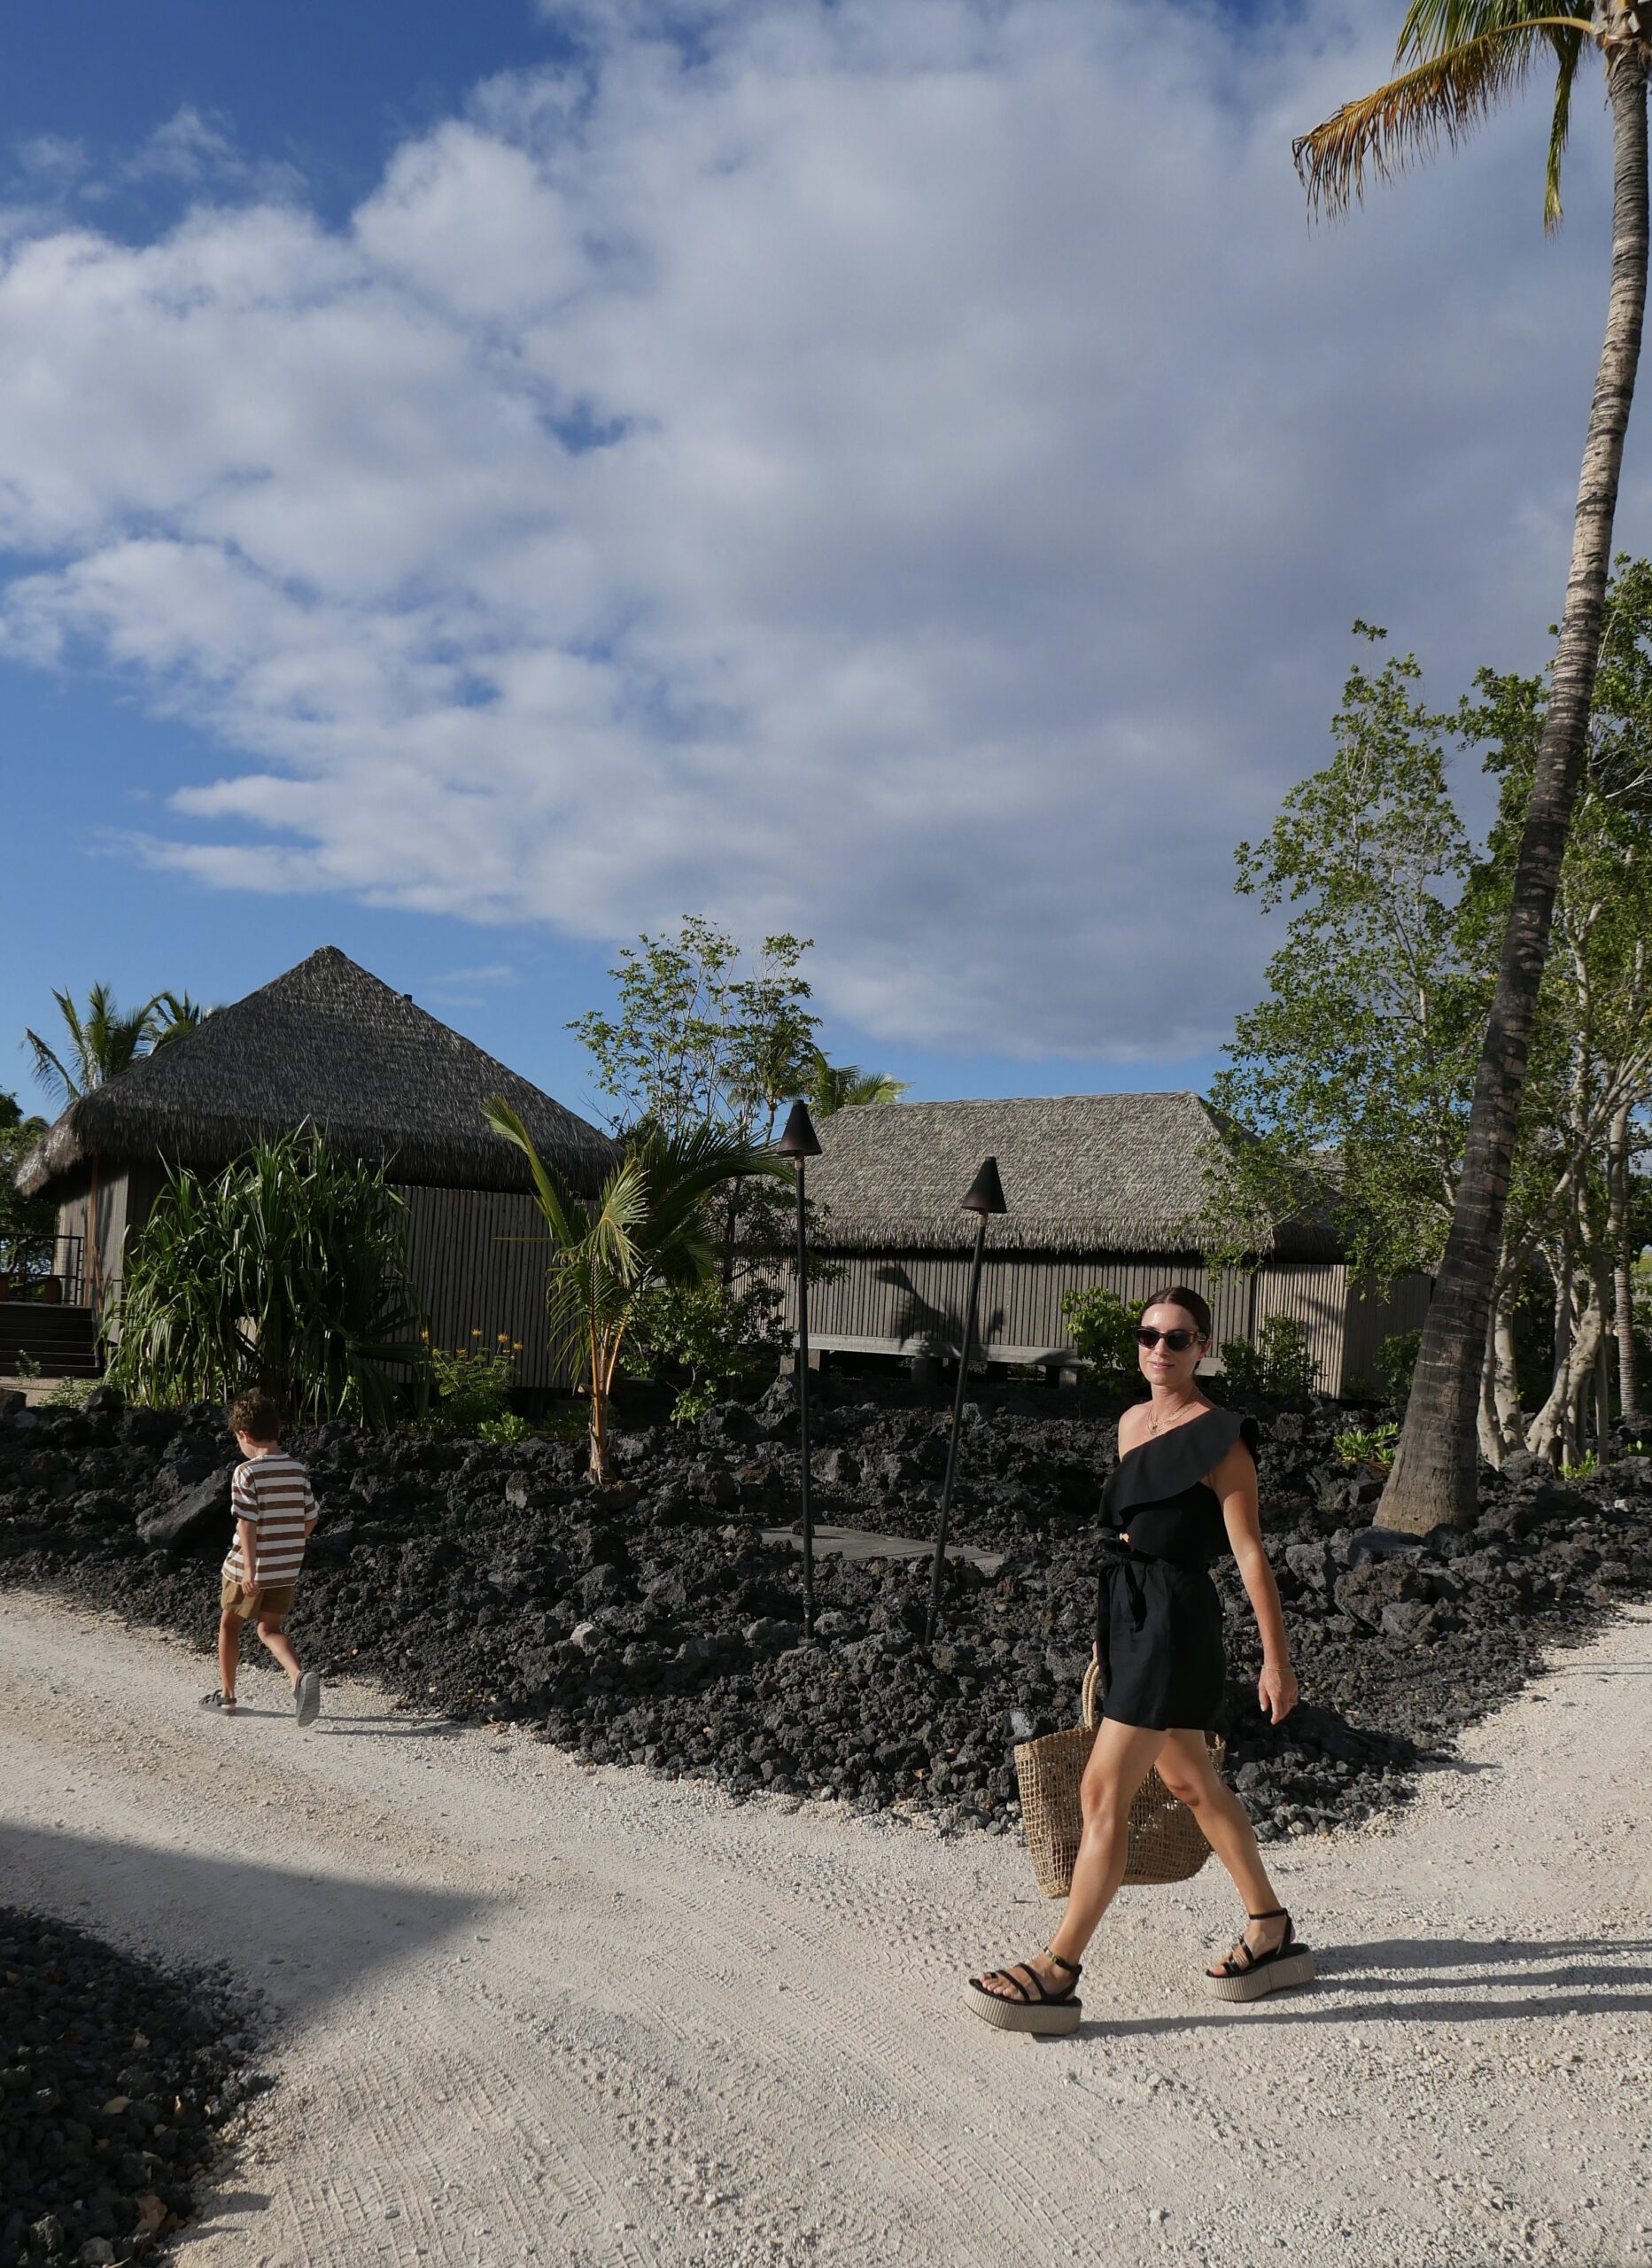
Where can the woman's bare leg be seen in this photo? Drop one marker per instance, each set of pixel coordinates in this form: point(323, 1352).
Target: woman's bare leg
point(1120, 1761)
point(1185, 1767)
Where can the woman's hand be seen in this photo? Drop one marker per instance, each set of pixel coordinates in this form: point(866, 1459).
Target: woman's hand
point(1276, 1691)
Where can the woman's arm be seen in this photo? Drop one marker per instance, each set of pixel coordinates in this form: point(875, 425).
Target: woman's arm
point(1234, 1481)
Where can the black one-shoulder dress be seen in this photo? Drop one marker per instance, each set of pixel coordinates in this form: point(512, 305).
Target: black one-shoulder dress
point(1158, 1614)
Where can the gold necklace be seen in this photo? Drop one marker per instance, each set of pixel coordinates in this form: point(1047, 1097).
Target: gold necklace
point(1152, 1422)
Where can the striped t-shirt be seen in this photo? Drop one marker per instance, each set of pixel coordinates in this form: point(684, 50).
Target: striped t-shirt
point(273, 1493)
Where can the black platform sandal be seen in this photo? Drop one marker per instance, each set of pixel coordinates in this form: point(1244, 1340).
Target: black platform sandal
point(1037, 2009)
point(1245, 1975)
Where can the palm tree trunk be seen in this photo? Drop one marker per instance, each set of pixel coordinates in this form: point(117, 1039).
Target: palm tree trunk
point(1433, 1476)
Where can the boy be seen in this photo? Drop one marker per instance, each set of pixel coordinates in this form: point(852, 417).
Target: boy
point(275, 1512)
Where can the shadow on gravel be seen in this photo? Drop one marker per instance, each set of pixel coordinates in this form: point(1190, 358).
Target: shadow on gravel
point(389, 1728)
point(303, 1935)
point(1546, 1977)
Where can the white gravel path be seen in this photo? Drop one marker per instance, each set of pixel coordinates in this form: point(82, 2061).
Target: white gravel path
point(538, 2013)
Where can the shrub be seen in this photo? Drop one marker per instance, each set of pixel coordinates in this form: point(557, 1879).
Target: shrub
point(718, 1337)
point(1396, 1359)
point(504, 1431)
point(286, 1270)
point(472, 1386)
point(1280, 1364)
point(1102, 1328)
point(69, 1393)
point(1368, 1445)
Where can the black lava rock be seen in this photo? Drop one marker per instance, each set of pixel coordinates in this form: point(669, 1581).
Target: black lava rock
point(649, 1624)
point(93, 2168)
point(200, 1511)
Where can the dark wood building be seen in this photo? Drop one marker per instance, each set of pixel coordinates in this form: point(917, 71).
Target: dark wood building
point(331, 1045)
point(1102, 1190)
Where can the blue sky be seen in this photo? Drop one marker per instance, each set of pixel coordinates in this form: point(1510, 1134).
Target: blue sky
point(478, 483)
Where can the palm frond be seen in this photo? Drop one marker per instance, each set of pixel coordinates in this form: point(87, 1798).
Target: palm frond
point(563, 1212)
point(1438, 100)
point(1432, 27)
point(49, 1070)
point(1568, 54)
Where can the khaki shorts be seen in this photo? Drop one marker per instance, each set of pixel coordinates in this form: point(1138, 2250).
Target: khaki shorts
point(272, 1599)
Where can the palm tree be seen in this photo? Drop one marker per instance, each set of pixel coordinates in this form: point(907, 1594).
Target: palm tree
point(102, 1041)
point(172, 1015)
point(648, 1227)
point(1464, 57)
point(836, 1086)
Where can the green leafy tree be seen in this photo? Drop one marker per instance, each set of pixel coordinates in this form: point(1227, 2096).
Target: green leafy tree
point(23, 1220)
point(647, 1230)
point(829, 1087)
point(699, 1037)
point(1353, 1072)
point(1589, 1070)
point(1462, 58)
point(704, 1035)
point(1356, 1071)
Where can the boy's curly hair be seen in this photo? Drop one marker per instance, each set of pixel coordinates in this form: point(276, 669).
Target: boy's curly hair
point(256, 1416)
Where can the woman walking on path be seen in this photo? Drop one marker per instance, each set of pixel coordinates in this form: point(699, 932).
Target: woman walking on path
point(1185, 1491)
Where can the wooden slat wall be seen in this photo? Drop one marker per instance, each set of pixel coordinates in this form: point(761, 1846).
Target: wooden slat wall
point(905, 1302)
point(97, 1214)
point(898, 1301)
point(1314, 1293)
point(1373, 1317)
point(477, 1258)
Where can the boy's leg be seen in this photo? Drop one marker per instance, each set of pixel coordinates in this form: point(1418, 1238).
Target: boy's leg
point(275, 1638)
point(229, 1652)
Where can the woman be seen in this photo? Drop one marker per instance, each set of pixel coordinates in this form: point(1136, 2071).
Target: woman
point(1185, 1491)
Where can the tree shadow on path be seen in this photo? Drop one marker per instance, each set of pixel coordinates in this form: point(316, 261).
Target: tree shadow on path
point(301, 1931)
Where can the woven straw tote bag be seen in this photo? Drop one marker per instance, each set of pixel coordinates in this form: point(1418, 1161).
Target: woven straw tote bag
point(1165, 1843)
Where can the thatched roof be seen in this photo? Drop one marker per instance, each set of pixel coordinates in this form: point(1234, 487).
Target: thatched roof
point(1082, 1173)
point(330, 1043)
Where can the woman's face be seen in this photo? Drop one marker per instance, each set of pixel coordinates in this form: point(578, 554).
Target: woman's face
point(1162, 1365)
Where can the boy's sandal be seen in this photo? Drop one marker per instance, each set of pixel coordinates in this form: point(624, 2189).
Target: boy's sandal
point(1032, 2008)
point(1247, 1975)
point(224, 1702)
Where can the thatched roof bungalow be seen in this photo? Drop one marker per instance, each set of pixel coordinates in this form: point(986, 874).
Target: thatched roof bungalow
point(383, 1080)
point(1102, 1190)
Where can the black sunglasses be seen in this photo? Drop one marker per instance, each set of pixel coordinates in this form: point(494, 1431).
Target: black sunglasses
point(1178, 1340)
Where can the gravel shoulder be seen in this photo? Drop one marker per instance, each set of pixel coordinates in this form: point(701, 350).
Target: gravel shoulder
point(541, 2012)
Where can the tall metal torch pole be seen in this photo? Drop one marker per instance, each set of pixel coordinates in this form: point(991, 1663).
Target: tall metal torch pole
point(986, 1196)
point(800, 1142)
point(802, 1408)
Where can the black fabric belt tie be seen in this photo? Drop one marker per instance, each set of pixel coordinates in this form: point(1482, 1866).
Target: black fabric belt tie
point(1115, 1554)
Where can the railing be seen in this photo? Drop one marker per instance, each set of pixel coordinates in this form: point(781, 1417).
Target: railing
point(50, 1269)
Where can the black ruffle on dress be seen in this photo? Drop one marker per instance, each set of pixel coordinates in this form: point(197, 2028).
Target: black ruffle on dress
point(1158, 1614)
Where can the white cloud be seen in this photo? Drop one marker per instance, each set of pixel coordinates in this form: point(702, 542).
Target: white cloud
point(186, 147)
point(901, 475)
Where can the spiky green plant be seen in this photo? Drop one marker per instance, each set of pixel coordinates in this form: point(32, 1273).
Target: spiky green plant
point(287, 1270)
